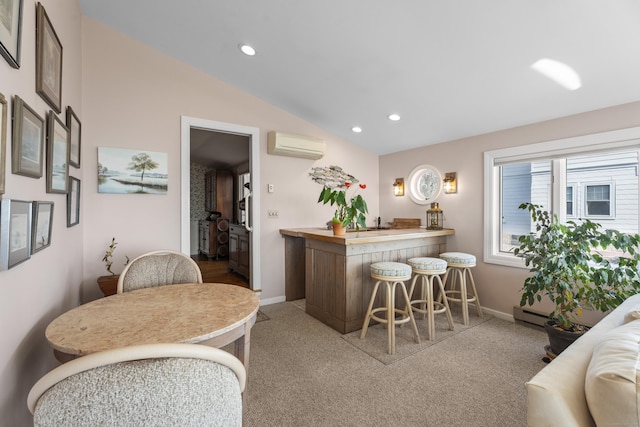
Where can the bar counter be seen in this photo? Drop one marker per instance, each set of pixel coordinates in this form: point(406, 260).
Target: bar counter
point(332, 272)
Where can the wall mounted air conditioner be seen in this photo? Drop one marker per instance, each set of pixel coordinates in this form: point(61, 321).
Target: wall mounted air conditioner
point(304, 147)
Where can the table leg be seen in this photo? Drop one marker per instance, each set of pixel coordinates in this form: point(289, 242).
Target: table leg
point(243, 346)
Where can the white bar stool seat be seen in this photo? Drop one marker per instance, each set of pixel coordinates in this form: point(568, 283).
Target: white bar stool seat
point(391, 274)
point(460, 264)
point(429, 270)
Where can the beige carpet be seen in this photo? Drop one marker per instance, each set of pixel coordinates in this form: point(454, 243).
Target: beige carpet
point(375, 343)
point(261, 317)
point(303, 373)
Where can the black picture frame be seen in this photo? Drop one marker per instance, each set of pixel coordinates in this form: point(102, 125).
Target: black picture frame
point(11, 31)
point(15, 232)
point(28, 140)
point(73, 202)
point(48, 61)
point(42, 225)
point(57, 155)
point(75, 134)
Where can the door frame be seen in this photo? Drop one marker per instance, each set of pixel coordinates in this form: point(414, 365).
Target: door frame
point(188, 123)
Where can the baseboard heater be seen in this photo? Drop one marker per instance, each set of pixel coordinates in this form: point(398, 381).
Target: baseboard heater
point(530, 316)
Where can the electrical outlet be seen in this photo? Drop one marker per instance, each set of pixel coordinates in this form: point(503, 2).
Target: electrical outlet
point(270, 188)
point(271, 213)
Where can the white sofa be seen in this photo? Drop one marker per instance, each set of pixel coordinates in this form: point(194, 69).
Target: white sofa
point(604, 359)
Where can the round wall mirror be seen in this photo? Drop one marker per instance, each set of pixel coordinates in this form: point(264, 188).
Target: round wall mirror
point(425, 184)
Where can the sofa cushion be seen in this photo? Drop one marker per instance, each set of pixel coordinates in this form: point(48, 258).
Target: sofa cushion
point(632, 315)
point(611, 382)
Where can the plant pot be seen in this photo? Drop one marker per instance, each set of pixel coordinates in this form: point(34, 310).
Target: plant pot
point(108, 284)
point(559, 339)
point(338, 229)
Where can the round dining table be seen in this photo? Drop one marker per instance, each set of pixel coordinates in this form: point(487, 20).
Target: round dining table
point(214, 314)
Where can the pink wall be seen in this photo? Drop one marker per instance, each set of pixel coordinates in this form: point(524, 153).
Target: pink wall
point(134, 97)
point(498, 286)
point(35, 292)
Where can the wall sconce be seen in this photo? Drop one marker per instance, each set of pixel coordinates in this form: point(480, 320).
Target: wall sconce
point(450, 183)
point(398, 187)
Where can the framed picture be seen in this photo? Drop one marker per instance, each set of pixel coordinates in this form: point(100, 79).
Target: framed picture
point(124, 171)
point(15, 232)
point(74, 125)
point(48, 61)
point(73, 202)
point(42, 225)
point(57, 155)
point(10, 30)
point(3, 139)
point(28, 140)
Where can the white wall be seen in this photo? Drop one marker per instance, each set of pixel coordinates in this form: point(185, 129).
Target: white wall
point(498, 287)
point(35, 292)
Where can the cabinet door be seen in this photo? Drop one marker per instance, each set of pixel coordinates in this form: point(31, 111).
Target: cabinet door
point(210, 192)
point(224, 194)
point(233, 250)
point(243, 255)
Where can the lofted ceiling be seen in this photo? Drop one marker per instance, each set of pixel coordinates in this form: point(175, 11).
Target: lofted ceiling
point(449, 68)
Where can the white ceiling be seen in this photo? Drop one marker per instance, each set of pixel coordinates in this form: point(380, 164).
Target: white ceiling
point(450, 68)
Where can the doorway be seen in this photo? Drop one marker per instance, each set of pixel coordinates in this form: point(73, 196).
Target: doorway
point(231, 132)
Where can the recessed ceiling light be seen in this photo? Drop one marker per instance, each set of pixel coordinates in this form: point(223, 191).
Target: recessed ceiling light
point(394, 117)
point(559, 72)
point(247, 50)
point(356, 129)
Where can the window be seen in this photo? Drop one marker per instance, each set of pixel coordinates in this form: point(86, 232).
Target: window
point(598, 200)
point(602, 170)
point(570, 201)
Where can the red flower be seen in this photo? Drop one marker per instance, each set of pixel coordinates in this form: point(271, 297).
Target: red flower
point(347, 184)
point(363, 186)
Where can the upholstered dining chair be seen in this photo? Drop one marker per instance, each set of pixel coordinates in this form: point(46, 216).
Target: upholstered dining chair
point(158, 268)
point(151, 384)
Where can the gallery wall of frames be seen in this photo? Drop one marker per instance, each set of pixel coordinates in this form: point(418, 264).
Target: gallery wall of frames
point(42, 142)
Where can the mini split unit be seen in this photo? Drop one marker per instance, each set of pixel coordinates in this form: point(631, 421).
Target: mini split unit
point(304, 147)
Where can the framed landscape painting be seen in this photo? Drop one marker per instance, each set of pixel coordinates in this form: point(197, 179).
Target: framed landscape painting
point(10, 31)
point(42, 225)
point(74, 125)
point(57, 155)
point(124, 171)
point(28, 140)
point(15, 232)
point(48, 61)
point(73, 202)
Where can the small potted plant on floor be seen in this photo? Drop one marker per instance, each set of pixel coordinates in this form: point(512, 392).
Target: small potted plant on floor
point(335, 184)
point(108, 284)
point(570, 267)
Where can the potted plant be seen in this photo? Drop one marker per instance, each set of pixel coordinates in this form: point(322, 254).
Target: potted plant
point(349, 209)
point(570, 267)
point(107, 284)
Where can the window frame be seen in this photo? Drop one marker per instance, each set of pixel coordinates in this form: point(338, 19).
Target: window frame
point(573, 187)
point(612, 199)
point(556, 151)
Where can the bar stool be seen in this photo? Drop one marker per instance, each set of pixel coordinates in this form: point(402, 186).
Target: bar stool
point(428, 270)
point(460, 264)
point(391, 274)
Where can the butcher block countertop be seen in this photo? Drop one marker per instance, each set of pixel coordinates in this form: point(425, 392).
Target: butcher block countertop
point(365, 237)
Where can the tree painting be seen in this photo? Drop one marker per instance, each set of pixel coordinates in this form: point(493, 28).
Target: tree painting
point(141, 163)
point(132, 171)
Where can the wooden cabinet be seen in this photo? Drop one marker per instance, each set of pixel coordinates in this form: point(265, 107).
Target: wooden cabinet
point(218, 196)
point(239, 250)
point(213, 238)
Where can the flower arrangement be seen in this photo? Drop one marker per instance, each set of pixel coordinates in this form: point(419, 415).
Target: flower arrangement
point(335, 183)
